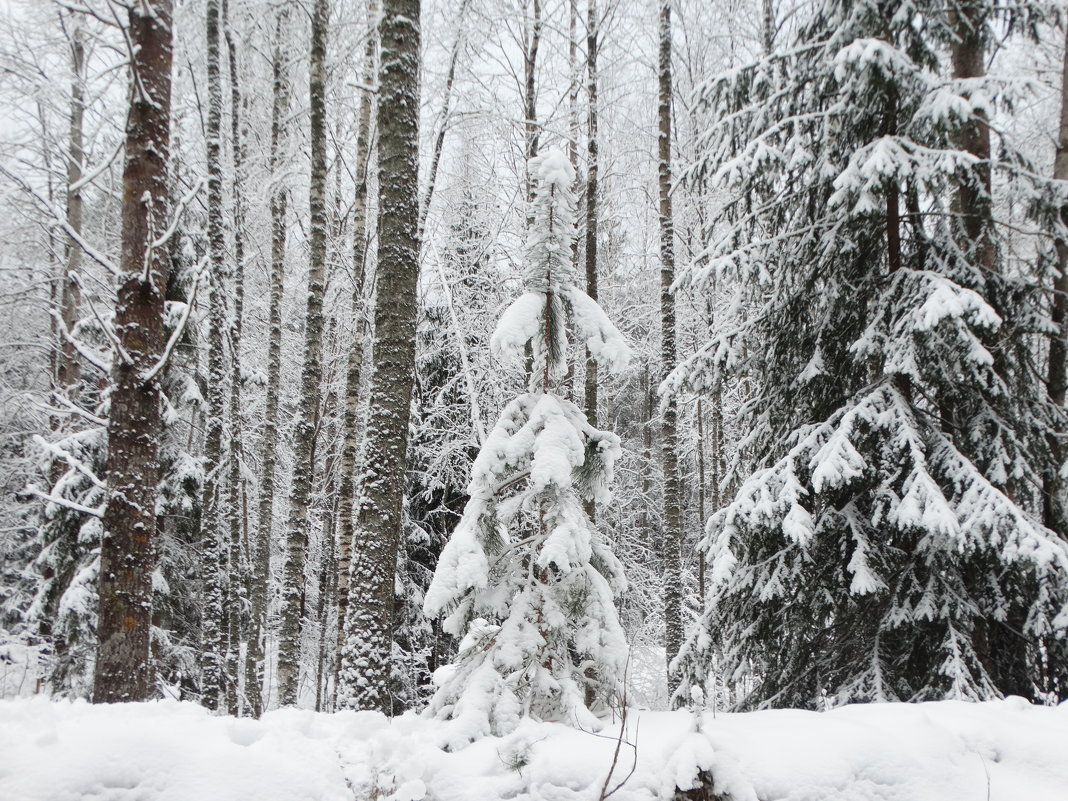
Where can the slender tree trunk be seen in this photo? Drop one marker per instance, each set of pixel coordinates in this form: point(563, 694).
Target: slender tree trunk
point(530, 95)
point(531, 44)
point(973, 202)
point(394, 355)
point(573, 97)
point(650, 541)
point(311, 378)
point(592, 168)
point(327, 589)
point(238, 607)
point(213, 533)
point(255, 676)
point(893, 201)
point(68, 369)
point(768, 27)
point(446, 113)
point(66, 293)
point(354, 373)
point(701, 510)
point(1057, 376)
point(123, 670)
point(1056, 518)
point(672, 518)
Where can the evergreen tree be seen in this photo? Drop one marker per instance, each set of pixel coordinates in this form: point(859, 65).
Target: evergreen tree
point(177, 583)
point(526, 579)
point(447, 430)
point(63, 610)
point(887, 544)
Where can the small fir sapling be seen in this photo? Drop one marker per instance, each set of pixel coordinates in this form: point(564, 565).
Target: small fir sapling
point(526, 579)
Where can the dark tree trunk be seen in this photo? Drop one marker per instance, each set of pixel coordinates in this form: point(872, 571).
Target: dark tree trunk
point(973, 197)
point(1057, 377)
point(394, 355)
point(123, 669)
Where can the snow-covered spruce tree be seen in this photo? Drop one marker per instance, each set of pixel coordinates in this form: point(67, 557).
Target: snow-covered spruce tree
point(63, 610)
point(887, 544)
point(177, 583)
point(440, 441)
point(526, 579)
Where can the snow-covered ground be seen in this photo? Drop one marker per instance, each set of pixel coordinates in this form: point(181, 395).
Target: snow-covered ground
point(169, 751)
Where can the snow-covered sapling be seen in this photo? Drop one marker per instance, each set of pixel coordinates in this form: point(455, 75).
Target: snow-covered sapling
point(526, 578)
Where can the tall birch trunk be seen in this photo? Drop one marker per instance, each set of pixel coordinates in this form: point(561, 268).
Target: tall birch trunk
point(354, 372)
point(446, 114)
point(123, 670)
point(238, 607)
point(530, 95)
point(214, 546)
point(255, 675)
point(394, 356)
point(592, 168)
point(672, 516)
point(68, 369)
point(573, 124)
point(311, 378)
point(768, 26)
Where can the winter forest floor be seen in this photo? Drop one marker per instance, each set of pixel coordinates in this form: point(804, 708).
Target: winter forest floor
point(170, 751)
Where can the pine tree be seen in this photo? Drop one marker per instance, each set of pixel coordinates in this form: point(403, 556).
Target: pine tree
point(888, 543)
point(526, 579)
point(63, 607)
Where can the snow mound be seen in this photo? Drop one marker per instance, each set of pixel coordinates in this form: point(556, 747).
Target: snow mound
point(169, 751)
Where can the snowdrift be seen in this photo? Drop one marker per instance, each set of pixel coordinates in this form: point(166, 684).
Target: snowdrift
point(169, 751)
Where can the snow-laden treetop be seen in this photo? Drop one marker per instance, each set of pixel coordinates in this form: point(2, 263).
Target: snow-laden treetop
point(552, 302)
